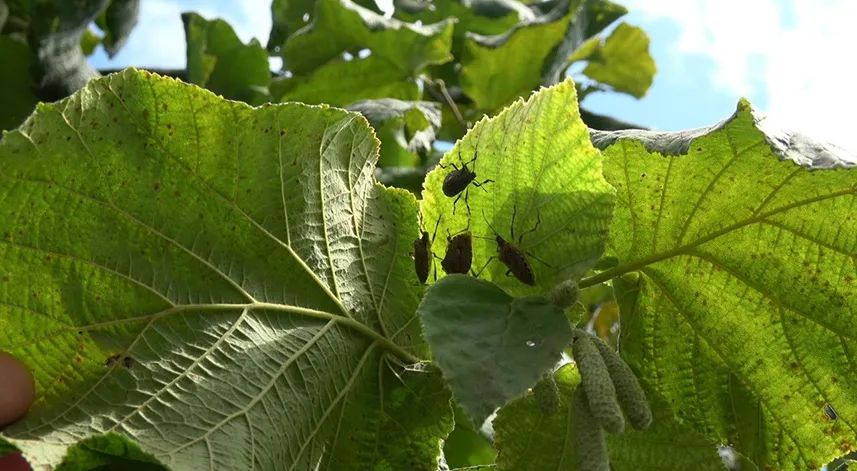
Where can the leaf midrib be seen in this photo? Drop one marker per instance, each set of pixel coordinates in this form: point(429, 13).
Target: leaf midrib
point(687, 249)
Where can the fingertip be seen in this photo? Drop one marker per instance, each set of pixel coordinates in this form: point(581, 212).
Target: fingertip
point(17, 389)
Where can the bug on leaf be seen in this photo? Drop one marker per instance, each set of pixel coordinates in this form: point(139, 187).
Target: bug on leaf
point(459, 252)
point(511, 254)
point(456, 182)
point(423, 255)
point(109, 362)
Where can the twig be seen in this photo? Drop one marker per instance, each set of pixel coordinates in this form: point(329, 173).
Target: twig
point(448, 99)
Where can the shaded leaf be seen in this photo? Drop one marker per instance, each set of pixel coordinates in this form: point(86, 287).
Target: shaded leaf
point(287, 17)
point(538, 154)
point(622, 61)
point(498, 69)
point(117, 22)
point(205, 239)
point(17, 89)
point(745, 318)
point(490, 346)
point(527, 439)
point(341, 26)
point(106, 452)
point(466, 445)
point(219, 61)
point(406, 128)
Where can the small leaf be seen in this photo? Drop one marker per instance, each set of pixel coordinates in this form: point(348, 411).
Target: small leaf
point(89, 42)
point(219, 61)
point(108, 451)
point(117, 22)
point(406, 128)
point(623, 61)
point(490, 346)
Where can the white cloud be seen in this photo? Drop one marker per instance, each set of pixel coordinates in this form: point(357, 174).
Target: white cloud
point(796, 53)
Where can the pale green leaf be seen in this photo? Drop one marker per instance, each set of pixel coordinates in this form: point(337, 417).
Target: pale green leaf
point(219, 61)
point(490, 346)
point(745, 319)
point(89, 42)
point(224, 285)
point(540, 157)
point(370, 78)
point(623, 61)
point(528, 439)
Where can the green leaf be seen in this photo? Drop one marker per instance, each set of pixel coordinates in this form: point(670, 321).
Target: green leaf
point(342, 26)
point(490, 346)
point(408, 178)
point(117, 22)
point(89, 42)
point(745, 318)
point(600, 14)
point(406, 128)
point(622, 61)
point(246, 262)
point(4, 13)
point(219, 61)
point(527, 439)
point(497, 70)
point(466, 446)
point(287, 17)
point(106, 452)
point(17, 89)
point(371, 78)
point(539, 155)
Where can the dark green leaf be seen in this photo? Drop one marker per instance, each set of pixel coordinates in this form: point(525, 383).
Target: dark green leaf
point(408, 178)
point(205, 240)
point(527, 439)
point(744, 243)
point(622, 61)
point(490, 346)
point(17, 90)
point(600, 14)
point(108, 452)
point(219, 61)
point(117, 22)
point(342, 26)
point(406, 128)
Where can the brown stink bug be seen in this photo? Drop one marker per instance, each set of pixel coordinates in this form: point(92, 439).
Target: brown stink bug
point(456, 182)
point(459, 253)
point(511, 255)
point(423, 255)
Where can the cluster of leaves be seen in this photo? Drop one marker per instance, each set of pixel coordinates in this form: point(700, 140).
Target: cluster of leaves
point(257, 276)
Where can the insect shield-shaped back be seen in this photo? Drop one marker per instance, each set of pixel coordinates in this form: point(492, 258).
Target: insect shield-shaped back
point(515, 260)
point(459, 254)
point(455, 183)
point(422, 254)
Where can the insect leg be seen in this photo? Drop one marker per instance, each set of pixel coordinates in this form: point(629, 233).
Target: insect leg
point(456, 201)
point(538, 222)
point(490, 259)
point(451, 164)
point(479, 184)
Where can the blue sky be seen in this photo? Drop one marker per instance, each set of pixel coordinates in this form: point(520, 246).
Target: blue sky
point(790, 58)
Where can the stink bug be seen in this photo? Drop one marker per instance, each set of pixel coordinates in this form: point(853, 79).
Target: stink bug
point(459, 253)
point(511, 255)
point(456, 182)
point(422, 254)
